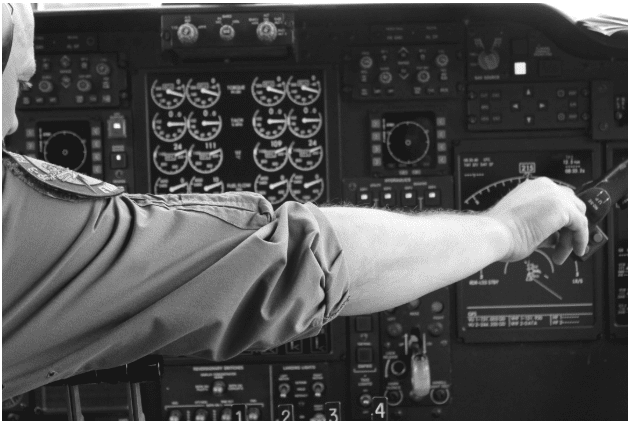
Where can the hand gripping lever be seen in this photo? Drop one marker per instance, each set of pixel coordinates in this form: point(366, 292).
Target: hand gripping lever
point(600, 196)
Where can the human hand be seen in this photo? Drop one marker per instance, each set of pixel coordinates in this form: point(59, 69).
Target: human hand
point(541, 213)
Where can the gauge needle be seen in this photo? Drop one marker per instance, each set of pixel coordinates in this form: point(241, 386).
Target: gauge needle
point(212, 186)
point(316, 149)
point(210, 123)
point(178, 154)
point(281, 151)
point(310, 120)
point(177, 187)
point(175, 123)
point(548, 289)
point(175, 93)
point(311, 183)
point(216, 152)
point(208, 92)
point(276, 121)
point(307, 88)
point(277, 184)
point(275, 90)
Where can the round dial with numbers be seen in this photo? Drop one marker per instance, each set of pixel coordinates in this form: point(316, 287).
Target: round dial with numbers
point(170, 158)
point(205, 158)
point(270, 123)
point(271, 155)
point(305, 155)
point(207, 185)
point(203, 92)
point(307, 188)
point(268, 92)
point(274, 187)
point(168, 94)
point(165, 185)
point(169, 126)
point(304, 90)
point(305, 122)
point(204, 125)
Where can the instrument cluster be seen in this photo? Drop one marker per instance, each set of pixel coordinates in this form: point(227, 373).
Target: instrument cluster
point(211, 133)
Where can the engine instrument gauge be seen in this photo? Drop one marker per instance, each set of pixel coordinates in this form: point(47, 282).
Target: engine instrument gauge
point(207, 185)
point(270, 123)
point(170, 158)
point(170, 126)
point(66, 148)
point(204, 125)
point(268, 92)
point(203, 93)
point(305, 122)
point(273, 187)
point(305, 155)
point(408, 142)
point(168, 95)
point(304, 90)
point(270, 156)
point(205, 158)
point(308, 188)
point(165, 185)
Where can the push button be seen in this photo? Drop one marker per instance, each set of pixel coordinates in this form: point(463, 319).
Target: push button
point(408, 199)
point(389, 198)
point(365, 355)
point(432, 197)
point(118, 160)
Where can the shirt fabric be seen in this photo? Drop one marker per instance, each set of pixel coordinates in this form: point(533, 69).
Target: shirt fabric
point(91, 283)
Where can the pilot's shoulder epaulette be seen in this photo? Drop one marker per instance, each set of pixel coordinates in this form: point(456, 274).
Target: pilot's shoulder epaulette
point(56, 181)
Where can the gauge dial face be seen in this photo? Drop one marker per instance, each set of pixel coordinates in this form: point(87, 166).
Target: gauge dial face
point(203, 92)
point(67, 149)
point(273, 187)
point(204, 125)
point(408, 142)
point(207, 185)
point(307, 188)
point(170, 158)
point(169, 126)
point(270, 123)
point(168, 94)
point(206, 157)
point(305, 155)
point(164, 185)
point(268, 92)
point(304, 90)
point(270, 156)
point(305, 122)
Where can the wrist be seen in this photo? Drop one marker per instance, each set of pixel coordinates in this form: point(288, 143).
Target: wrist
point(500, 236)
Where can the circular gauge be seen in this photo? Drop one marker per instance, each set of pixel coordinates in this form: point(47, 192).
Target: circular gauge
point(203, 94)
point(205, 158)
point(270, 123)
point(170, 158)
point(207, 185)
point(304, 91)
point(204, 125)
point(66, 149)
point(168, 95)
point(166, 186)
point(273, 187)
point(268, 92)
point(169, 127)
point(487, 196)
point(307, 188)
point(270, 157)
point(305, 122)
point(408, 142)
point(305, 155)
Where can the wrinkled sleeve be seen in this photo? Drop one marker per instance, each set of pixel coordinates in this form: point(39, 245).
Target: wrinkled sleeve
point(93, 284)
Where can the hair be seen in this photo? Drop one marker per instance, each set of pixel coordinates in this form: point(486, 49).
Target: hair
point(7, 33)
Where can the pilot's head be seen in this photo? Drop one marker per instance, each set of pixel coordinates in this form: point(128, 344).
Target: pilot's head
point(20, 66)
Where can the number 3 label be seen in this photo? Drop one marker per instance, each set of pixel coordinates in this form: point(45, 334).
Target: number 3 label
point(332, 411)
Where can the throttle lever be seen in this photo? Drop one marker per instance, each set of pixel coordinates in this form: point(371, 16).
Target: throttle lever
point(600, 196)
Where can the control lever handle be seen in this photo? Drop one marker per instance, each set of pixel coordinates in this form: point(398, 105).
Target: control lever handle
point(600, 196)
point(420, 369)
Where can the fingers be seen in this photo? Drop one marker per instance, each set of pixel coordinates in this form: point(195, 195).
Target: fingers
point(564, 247)
point(575, 234)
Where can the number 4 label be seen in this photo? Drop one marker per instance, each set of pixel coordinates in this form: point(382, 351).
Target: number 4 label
point(332, 411)
point(380, 413)
point(286, 412)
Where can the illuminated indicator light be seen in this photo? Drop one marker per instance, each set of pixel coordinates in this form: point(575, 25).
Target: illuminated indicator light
point(431, 195)
point(364, 196)
point(520, 68)
point(118, 157)
point(387, 196)
point(117, 126)
point(408, 195)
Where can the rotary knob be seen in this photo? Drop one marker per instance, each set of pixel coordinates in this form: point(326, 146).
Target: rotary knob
point(187, 34)
point(45, 86)
point(488, 61)
point(227, 32)
point(266, 31)
point(84, 85)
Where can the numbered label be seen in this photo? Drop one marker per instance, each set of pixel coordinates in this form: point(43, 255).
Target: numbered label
point(238, 412)
point(332, 411)
point(286, 412)
point(380, 411)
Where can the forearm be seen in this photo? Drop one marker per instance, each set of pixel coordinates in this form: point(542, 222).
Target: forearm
point(394, 258)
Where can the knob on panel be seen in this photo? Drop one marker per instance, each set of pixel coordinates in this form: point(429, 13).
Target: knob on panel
point(266, 31)
point(187, 34)
point(488, 61)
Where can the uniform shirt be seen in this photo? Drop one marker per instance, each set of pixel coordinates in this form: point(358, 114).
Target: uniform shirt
point(93, 279)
